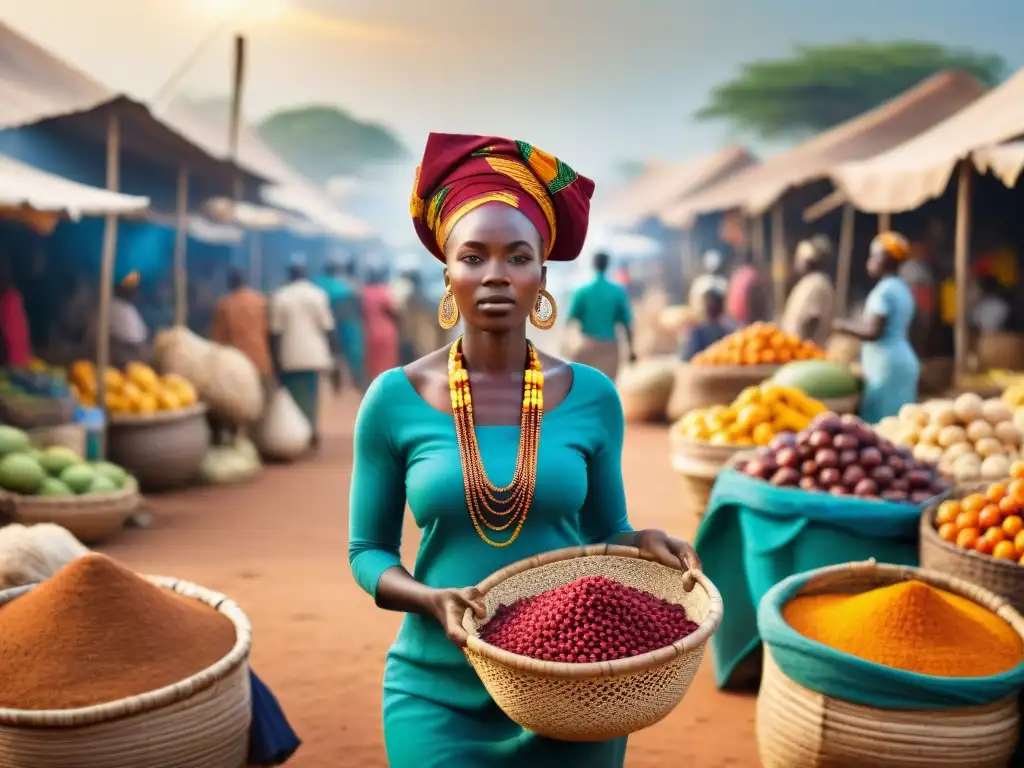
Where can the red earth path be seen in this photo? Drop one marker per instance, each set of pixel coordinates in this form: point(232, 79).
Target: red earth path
point(278, 547)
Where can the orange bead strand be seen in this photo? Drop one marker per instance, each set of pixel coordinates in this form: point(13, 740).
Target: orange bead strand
point(483, 499)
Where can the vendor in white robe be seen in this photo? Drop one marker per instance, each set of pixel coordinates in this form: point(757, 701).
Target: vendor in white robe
point(129, 336)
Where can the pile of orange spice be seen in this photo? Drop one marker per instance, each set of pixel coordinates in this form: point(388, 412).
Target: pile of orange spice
point(758, 344)
point(910, 626)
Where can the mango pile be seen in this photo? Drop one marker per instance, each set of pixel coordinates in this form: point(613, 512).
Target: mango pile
point(758, 344)
point(990, 522)
point(136, 390)
point(755, 417)
point(53, 471)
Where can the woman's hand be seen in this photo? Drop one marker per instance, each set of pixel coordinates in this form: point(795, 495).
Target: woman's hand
point(449, 606)
point(668, 550)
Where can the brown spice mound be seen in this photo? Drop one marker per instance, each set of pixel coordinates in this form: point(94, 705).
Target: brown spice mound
point(96, 632)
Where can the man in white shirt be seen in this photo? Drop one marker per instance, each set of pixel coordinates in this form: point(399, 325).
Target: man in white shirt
point(303, 340)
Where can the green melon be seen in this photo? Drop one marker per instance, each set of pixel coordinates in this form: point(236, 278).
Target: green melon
point(20, 473)
point(13, 440)
point(58, 458)
point(53, 487)
point(78, 477)
point(101, 484)
point(820, 379)
point(115, 474)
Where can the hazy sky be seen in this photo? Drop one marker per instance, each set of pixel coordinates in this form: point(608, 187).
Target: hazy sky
point(594, 81)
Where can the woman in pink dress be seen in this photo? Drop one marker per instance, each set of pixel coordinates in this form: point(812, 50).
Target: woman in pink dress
point(380, 326)
point(15, 346)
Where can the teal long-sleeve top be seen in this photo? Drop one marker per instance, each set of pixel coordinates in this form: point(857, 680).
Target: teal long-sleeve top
point(600, 307)
point(406, 452)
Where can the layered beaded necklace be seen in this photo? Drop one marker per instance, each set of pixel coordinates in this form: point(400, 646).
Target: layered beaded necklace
point(510, 503)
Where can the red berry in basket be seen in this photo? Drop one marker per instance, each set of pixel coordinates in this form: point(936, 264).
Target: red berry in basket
point(588, 620)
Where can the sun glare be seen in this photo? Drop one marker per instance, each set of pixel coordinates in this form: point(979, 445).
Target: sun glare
point(248, 10)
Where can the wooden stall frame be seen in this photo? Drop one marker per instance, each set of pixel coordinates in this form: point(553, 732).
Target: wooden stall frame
point(961, 258)
point(109, 255)
point(181, 251)
point(780, 259)
point(844, 260)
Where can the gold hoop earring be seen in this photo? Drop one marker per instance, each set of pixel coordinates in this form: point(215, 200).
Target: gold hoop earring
point(447, 311)
point(544, 311)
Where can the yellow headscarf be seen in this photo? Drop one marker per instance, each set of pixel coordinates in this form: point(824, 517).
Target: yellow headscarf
point(892, 244)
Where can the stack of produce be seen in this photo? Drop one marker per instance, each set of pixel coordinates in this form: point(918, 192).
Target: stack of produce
point(54, 472)
point(588, 620)
point(844, 456)
point(910, 626)
point(96, 632)
point(821, 379)
point(137, 390)
point(969, 439)
point(756, 417)
point(989, 523)
point(758, 344)
point(37, 380)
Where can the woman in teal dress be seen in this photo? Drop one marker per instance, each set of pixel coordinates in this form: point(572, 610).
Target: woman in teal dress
point(493, 211)
point(890, 367)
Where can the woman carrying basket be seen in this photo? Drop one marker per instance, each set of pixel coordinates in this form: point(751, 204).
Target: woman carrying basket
point(493, 211)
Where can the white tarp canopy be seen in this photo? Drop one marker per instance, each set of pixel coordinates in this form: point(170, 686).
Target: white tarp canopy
point(756, 189)
point(662, 184)
point(907, 176)
point(24, 186)
point(1005, 161)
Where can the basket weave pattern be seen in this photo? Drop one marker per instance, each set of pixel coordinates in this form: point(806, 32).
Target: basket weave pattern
point(603, 700)
point(1003, 577)
point(800, 728)
point(699, 463)
point(200, 722)
point(91, 518)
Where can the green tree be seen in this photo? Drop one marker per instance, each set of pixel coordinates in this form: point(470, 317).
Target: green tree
point(326, 142)
point(821, 86)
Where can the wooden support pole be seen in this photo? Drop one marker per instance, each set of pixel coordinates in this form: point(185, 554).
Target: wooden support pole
point(844, 263)
point(962, 258)
point(780, 260)
point(107, 272)
point(757, 244)
point(181, 252)
point(884, 223)
point(237, 89)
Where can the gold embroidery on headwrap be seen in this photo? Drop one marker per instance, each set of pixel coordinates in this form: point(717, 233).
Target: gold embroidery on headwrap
point(447, 224)
point(524, 177)
point(415, 201)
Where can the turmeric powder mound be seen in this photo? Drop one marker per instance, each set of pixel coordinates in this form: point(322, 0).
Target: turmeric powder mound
point(96, 632)
point(910, 626)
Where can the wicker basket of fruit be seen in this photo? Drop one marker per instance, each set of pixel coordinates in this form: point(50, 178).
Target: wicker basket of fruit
point(591, 692)
point(980, 538)
point(706, 440)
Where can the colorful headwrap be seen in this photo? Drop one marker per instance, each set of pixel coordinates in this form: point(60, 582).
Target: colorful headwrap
point(131, 280)
point(459, 173)
point(892, 244)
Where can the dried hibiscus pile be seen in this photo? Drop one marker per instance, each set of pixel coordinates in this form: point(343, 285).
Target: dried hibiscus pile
point(588, 620)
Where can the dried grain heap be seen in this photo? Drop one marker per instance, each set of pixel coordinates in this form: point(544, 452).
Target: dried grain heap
point(910, 626)
point(97, 632)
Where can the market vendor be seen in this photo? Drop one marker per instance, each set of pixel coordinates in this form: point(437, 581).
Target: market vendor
point(129, 336)
point(715, 326)
point(600, 308)
point(15, 342)
point(710, 279)
point(810, 308)
point(890, 367)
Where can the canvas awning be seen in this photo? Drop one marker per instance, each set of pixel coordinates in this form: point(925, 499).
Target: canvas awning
point(756, 189)
point(662, 184)
point(919, 170)
point(1004, 161)
point(24, 186)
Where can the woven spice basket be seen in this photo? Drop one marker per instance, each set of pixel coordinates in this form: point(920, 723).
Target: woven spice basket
point(699, 463)
point(200, 722)
point(30, 412)
point(1003, 577)
point(800, 728)
point(91, 518)
point(603, 700)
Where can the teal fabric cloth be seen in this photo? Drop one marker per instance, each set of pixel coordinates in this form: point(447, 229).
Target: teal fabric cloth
point(600, 307)
point(348, 316)
point(754, 535)
point(304, 387)
point(436, 711)
point(842, 676)
point(890, 366)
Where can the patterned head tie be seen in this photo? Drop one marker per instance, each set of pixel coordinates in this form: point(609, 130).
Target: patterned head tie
point(459, 173)
point(892, 244)
point(131, 280)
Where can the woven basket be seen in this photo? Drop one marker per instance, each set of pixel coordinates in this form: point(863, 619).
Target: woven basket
point(604, 700)
point(91, 518)
point(1003, 577)
point(200, 722)
point(701, 386)
point(699, 463)
point(799, 728)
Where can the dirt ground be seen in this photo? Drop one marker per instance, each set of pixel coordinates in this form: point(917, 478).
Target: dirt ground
point(278, 547)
